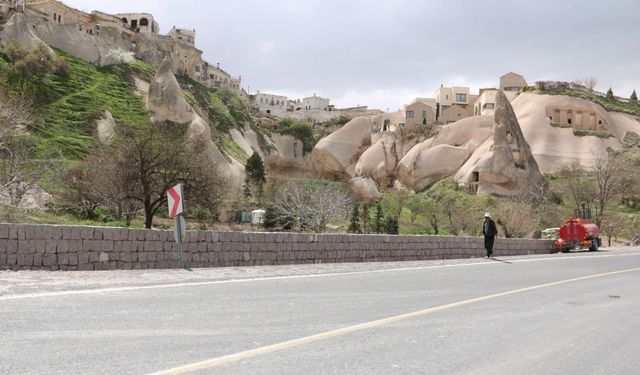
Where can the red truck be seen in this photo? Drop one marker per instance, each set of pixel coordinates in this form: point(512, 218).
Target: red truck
point(578, 234)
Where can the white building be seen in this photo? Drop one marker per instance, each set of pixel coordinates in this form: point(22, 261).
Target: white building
point(315, 103)
point(271, 103)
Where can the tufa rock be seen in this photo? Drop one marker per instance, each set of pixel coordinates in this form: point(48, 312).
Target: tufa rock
point(504, 164)
point(365, 189)
point(166, 100)
point(338, 152)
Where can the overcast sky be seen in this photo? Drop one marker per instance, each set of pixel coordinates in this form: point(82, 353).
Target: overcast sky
point(383, 53)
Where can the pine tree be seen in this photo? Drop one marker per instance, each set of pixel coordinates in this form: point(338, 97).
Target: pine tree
point(610, 94)
point(354, 226)
point(633, 99)
point(377, 222)
point(391, 225)
point(254, 170)
point(366, 219)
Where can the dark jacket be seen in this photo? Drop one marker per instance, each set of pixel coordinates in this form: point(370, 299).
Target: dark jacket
point(489, 228)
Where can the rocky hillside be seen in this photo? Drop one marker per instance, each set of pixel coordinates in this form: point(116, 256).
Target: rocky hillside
point(82, 105)
point(502, 153)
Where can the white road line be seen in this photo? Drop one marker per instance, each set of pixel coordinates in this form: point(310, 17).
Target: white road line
point(219, 361)
point(269, 278)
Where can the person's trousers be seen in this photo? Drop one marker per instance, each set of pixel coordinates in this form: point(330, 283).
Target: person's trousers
point(488, 244)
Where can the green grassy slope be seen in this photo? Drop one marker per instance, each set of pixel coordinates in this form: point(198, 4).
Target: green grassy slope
point(70, 104)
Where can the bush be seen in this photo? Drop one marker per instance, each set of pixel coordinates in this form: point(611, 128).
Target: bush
point(301, 130)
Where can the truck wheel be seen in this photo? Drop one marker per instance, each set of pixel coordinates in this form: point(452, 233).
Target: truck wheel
point(594, 245)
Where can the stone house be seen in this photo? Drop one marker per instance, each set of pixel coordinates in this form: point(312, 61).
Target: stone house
point(453, 103)
point(421, 111)
point(316, 103)
point(271, 104)
point(139, 22)
point(183, 35)
point(133, 32)
point(511, 84)
point(485, 103)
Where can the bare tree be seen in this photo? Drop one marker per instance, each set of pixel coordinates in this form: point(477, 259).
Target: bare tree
point(541, 201)
point(608, 174)
point(312, 203)
point(144, 161)
point(578, 183)
point(514, 219)
point(20, 171)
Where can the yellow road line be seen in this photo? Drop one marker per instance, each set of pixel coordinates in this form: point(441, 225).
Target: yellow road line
point(215, 362)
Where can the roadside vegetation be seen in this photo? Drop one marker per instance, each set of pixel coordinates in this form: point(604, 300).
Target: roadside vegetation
point(49, 104)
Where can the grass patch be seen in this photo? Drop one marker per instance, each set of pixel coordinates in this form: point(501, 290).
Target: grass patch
point(70, 104)
point(631, 139)
point(610, 105)
point(560, 125)
point(225, 108)
point(230, 148)
point(587, 133)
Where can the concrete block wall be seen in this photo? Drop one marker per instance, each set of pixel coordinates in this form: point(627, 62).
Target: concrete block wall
point(47, 247)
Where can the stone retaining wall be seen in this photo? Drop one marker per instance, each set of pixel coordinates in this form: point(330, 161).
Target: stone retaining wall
point(46, 247)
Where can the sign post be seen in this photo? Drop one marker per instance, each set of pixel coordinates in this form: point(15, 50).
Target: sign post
point(176, 207)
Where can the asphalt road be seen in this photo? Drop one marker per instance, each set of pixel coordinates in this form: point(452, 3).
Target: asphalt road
point(556, 314)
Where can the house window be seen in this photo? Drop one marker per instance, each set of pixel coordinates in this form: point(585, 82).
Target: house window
point(55, 17)
point(461, 97)
point(409, 114)
point(424, 114)
point(488, 106)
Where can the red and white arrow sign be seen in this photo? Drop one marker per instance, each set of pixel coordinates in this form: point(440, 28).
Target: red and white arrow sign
point(174, 197)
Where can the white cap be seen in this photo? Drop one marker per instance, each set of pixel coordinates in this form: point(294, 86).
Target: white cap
point(486, 214)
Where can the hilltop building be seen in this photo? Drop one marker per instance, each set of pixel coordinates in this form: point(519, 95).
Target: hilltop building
point(421, 111)
point(486, 102)
point(187, 36)
point(138, 33)
point(455, 103)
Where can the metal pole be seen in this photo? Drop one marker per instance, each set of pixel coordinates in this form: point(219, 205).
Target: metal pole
point(179, 238)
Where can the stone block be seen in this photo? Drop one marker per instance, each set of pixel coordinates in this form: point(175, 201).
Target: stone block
point(26, 247)
point(12, 259)
point(108, 234)
point(13, 232)
point(12, 246)
point(49, 260)
point(40, 233)
point(4, 231)
point(51, 246)
point(85, 267)
point(83, 258)
point(86, 233)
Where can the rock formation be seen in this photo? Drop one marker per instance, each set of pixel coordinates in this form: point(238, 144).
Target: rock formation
point(105, 128)
point(554, 143)
point(166, 100)
point(443, 154)
point(365, 189)
point(503, 164)
point(338, 153)
point(110, 48)
point(17, 30)
point(379, 161)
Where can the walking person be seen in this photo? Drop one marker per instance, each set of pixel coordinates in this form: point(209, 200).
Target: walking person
point(489, 231)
